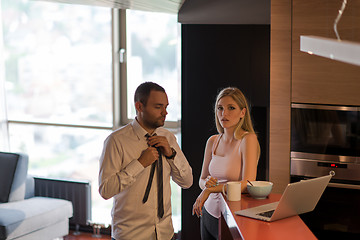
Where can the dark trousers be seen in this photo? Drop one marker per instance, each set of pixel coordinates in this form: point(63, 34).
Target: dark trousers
point(209, 226)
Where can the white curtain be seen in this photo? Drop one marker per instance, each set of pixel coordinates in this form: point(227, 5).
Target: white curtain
point(4, 136)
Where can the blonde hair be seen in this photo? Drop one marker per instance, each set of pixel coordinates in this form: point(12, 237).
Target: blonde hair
point(245, 123)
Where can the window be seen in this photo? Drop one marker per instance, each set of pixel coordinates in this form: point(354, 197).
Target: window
point(59, 88)
point(152, 56)
point(64, 93)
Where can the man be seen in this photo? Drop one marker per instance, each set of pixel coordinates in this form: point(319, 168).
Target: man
point(131, 171)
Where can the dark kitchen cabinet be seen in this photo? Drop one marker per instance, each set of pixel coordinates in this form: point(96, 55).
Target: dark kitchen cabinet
point(336, 214)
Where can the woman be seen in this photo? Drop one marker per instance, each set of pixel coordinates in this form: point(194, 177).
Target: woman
point(231, 155)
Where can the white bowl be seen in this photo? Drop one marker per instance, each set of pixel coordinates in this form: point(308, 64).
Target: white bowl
point(260, 189)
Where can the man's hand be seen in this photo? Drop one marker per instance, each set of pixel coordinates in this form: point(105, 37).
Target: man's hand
point(148, 156)
point(162, 143)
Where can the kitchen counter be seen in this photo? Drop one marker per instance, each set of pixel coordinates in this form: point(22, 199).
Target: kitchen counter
point(232, 226)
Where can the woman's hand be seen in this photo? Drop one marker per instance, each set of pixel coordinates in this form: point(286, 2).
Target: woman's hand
point(199, 203)
point(211, 182)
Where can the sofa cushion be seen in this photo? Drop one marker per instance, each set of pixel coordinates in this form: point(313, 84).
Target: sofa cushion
point(18, 187)
point(24, 217)
point(13, 171)
point(30, 187)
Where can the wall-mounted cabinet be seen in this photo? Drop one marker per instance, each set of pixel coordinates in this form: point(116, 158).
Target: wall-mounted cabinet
point(316, 79)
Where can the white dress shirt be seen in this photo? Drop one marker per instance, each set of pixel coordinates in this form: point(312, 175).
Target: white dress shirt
point(123, 177)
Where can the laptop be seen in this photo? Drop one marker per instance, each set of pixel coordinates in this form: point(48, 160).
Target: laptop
point(299, 197)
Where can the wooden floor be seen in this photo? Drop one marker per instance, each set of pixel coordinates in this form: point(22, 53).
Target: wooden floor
point(85, 236)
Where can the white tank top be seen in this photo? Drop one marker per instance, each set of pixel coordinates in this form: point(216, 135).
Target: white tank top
point(224, 168)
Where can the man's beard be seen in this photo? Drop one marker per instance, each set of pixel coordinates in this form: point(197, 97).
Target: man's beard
point(154, 124)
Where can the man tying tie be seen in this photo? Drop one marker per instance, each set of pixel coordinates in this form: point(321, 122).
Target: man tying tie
point(159, 168)
point(131, 154)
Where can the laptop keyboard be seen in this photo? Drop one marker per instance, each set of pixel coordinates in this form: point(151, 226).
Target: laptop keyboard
point(267, 214)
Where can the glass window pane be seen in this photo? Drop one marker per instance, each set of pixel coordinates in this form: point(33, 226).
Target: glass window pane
point(176, 197)
point(152, 55)
point(58, 62)
point(64, 152)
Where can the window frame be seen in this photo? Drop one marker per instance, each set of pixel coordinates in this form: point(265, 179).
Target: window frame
point(120, 72)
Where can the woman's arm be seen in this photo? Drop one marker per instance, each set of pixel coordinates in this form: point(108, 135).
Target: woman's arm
point(206, 161)
point(200, 201)
point(205, 178)
point(250, 153)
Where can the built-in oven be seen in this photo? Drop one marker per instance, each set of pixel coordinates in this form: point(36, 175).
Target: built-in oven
point(325, 139)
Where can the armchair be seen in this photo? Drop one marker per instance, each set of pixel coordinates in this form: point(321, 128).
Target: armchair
point(22, 215)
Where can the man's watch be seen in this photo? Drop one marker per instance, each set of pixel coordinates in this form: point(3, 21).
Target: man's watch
point(172, 156)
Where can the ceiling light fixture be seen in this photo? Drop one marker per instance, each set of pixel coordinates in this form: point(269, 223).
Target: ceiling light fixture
point(336, 49)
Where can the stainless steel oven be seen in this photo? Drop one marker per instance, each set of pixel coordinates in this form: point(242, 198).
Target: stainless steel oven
point(326, 139)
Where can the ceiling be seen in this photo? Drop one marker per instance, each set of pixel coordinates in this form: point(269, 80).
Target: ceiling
point(166, 6)
point(193, 11)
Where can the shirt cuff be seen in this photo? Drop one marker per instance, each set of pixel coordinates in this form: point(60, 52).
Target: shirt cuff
point(134, 168)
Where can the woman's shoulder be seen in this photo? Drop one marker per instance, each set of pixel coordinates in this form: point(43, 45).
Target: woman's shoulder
point(249, 137)
point(250, 143)
point(212, 139)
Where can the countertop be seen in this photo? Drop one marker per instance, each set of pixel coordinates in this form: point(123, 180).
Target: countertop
point(233, 226)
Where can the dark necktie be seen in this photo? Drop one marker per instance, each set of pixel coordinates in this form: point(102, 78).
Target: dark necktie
point(159, 167)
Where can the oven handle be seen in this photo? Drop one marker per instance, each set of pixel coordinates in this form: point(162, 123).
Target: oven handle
point(342, 185)
point(325, 107)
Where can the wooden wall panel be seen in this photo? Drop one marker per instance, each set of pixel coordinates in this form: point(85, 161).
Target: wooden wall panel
point(316, 79)
point(280, 83)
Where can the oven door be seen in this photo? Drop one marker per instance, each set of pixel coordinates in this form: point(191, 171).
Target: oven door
point(346, 174)
point(327, 130)
point(326, 139)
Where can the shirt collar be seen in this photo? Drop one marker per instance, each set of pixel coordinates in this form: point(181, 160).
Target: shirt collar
point(139, 130)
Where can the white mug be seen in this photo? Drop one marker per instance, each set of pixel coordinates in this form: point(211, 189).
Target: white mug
point(233, 191)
